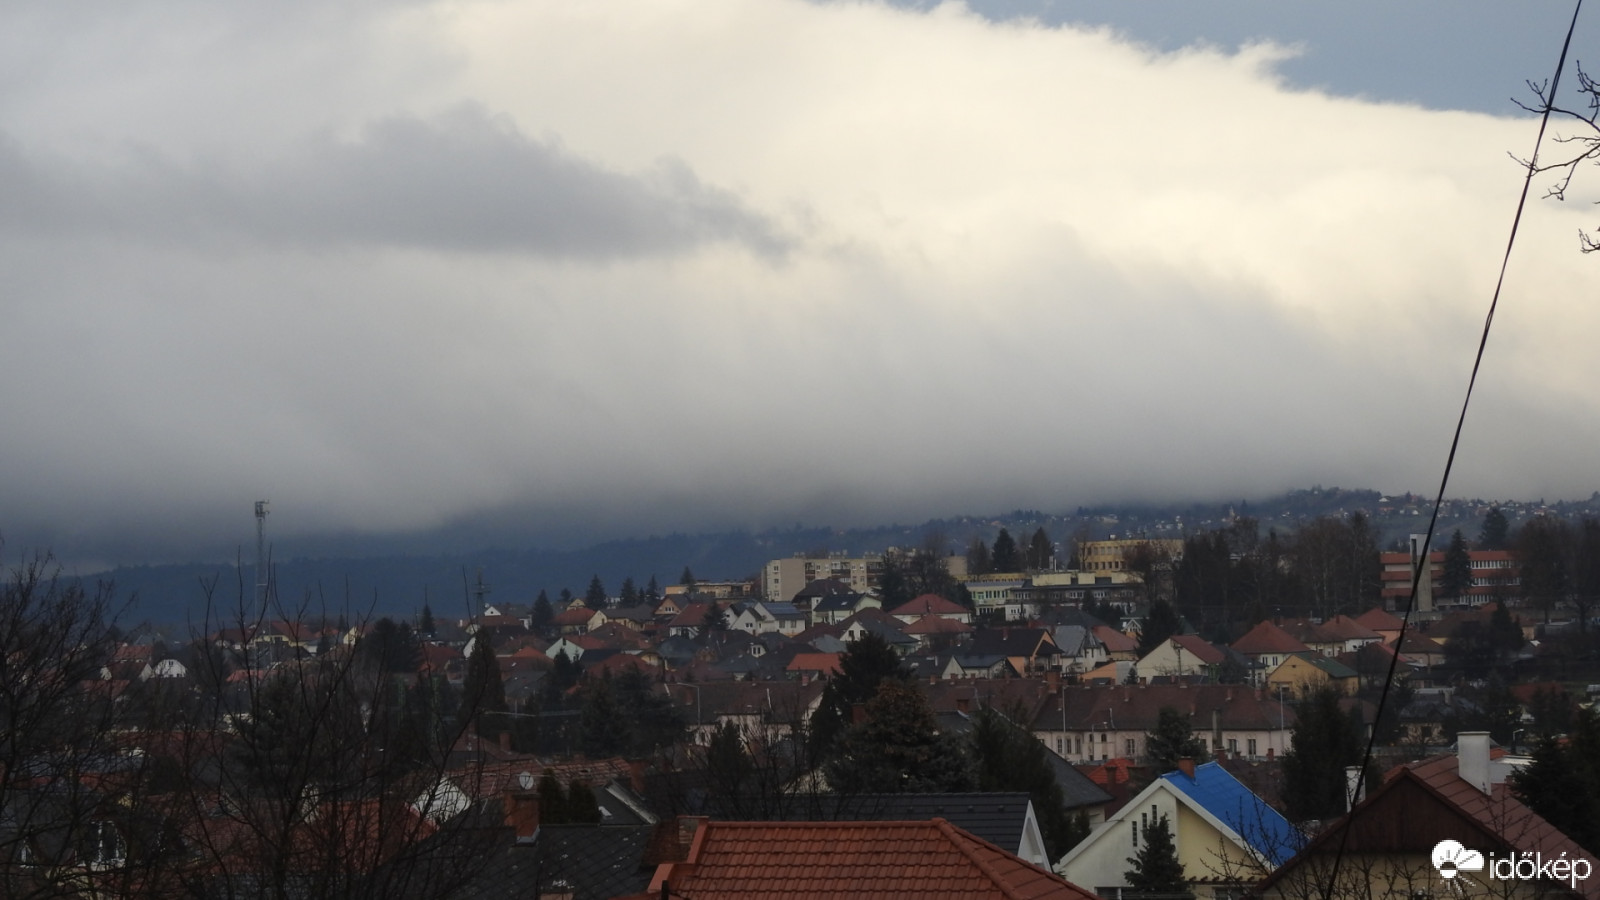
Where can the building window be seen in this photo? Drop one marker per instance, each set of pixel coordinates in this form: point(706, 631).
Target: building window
point(1233, 746)
point(1252, 746)
point(1127, 746)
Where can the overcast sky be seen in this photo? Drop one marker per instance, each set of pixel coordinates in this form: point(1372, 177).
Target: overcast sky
point(608, 269)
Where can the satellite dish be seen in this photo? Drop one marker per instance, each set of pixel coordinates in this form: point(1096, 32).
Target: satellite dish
point(526, 779)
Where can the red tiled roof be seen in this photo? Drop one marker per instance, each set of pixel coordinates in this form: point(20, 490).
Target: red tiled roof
point(814, 662)
point(928, 604)
point(1114, 640)
point(931, 859)
point(1346, 628)
point(932, 623)
point(1199, 648)
point(1268, 638)
point(578, 616)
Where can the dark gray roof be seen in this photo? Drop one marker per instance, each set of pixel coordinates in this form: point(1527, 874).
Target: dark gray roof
point(594, 862)
point(994, 816)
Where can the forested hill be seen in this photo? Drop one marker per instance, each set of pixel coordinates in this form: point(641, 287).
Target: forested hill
point(400, 583)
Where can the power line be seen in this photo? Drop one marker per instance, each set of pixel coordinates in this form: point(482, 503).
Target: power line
point(1455, 442)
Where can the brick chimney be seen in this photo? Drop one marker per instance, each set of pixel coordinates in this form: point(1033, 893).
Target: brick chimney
point(1186, 766)
point(522, 813)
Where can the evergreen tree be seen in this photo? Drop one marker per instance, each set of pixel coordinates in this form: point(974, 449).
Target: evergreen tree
point(630, 594)
point(595, 597)
point(1496, 532)
point(552, 800)
point(687, 579)
point(1004, 556)
point(1541, 543)
point(730, 772)
point(1173, 739)
point(1456, 579)
point(565, 599)
point(483, 689)
point(898, 748)
point(582, 808)
point(1322, 743)
point(603, 730)
point(1562, 783)
point(1159, 624)
point(714, 620)
point(978, 557)
point(1040, 551)
point(1009, 758)
point(654, 722)
point(1156, 869)
point(542, 611)
point(426, 625)
point(652, 592)
point(864, 666)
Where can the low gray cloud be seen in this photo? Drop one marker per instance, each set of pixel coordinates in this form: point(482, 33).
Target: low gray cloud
point(461, 181)
point(553, 272)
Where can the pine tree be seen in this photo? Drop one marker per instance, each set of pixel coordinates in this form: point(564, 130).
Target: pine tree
point(1456, 579)
point(978, 557)
point(582, 808)
point(595, 597)
point(1009, 758)
point(552, 800)
point(426, 625)
point(1160, 623)
point(1004, 556)
point(1173, 739)
point(1156, 869)
point(1323, 742)
point(1496, 533)
point(603, 730)
point(630, 594)
point(483, 689)
point(687, 579)
point(898, 748)
point(542, 611)
point(652, 591)
point(1040, 551)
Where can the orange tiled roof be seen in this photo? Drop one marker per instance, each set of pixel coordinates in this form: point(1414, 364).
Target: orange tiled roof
point(1268, 638)
point(931, 859)
point(928, 604)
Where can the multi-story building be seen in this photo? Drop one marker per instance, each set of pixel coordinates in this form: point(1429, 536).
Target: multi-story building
point(1111, 556)
point(1495, 576)
point(783, 578)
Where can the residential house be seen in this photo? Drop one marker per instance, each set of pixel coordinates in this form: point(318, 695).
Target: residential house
point(1390, 842)
point(932, 631)
point(1028, 649)
point(1267, 646)
point(578, 619)
point(1181, 656)
point(764, 617)
point(876, 621)
point(1302, 674)
point(1118, 645)
point(835, 608)
point(1225, 836)
point(1080, 650)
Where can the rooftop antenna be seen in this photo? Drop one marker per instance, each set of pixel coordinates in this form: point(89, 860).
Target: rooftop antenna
point(261, 560)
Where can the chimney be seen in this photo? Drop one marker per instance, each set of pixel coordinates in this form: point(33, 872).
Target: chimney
point(505, 742)
point(1472, 758)
point(1186, 766)
point(522, 813)
point(1354, 790)
point(1216, 731)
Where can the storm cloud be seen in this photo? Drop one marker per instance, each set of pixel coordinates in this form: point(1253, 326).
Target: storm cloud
point(399, 266)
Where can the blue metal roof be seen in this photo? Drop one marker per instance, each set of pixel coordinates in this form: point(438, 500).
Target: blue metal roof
point(1224, 796)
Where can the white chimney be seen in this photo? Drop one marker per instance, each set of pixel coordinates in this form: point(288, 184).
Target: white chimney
point(1472, 758)
point(1353, 788)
